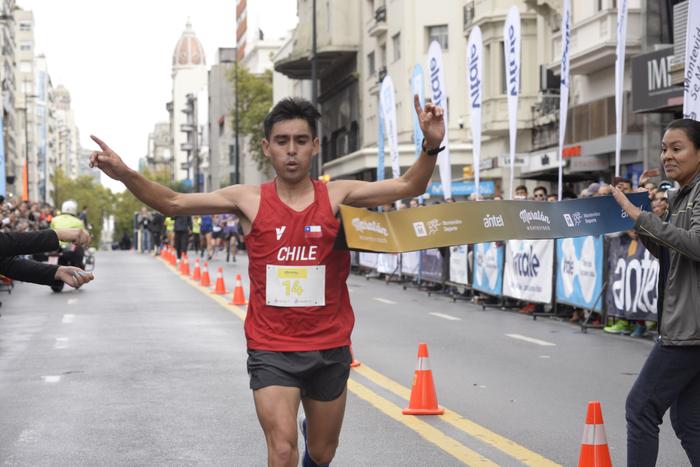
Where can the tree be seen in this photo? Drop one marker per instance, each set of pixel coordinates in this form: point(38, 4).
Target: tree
point(254, 102)
point(86, 192)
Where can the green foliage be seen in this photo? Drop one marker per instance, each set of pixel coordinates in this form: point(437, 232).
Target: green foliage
point(254, 102)
point(86, 192)
point(126, 204)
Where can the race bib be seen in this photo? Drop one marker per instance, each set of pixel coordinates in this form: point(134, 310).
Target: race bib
point(295, 285)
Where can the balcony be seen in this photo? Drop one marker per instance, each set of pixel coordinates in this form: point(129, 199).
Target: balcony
point(593, 42)
point(336, 43)
point(378, 27)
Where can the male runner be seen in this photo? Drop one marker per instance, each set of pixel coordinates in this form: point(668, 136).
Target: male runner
point(299, 319)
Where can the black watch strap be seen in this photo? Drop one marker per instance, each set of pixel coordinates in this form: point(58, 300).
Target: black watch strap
point(432, 151)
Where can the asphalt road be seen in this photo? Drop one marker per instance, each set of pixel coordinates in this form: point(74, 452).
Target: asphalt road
point(143, 367)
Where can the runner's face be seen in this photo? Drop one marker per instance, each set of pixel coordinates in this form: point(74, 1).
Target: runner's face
point(679, 156)
point(291, 148)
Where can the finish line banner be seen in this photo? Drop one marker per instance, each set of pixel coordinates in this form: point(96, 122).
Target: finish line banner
point(483, 221)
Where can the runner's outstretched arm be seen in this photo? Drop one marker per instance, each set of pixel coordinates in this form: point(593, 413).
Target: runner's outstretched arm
point(162, 198)
point(413, 182)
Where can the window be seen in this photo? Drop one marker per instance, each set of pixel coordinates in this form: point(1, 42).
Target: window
point(370, 64)
point(25, 26)
point(396, 44)
point(27, 87)
point(25, 46)
point(439, 34)
point(382, 56)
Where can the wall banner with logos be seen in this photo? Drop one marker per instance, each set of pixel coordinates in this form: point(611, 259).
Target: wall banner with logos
point(633, 274)
point(528, 270)
point(488, 268)
point(431, 265)
point(458, 264)
point(580, 272)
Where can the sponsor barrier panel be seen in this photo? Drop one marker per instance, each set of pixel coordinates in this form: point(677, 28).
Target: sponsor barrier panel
point(456, 223)
point(488, 268)
point(387, 263)
point(431, 265)
point(458, 264)
point(580, 272)
point(410, 263)
point(633, 275)
point(528, 270)
point(368, 260)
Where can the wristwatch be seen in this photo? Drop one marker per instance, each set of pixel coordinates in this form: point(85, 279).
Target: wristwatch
point(431, 151)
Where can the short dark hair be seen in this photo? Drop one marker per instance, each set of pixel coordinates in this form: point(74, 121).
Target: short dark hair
point(617, 180)
point(690, 127)
point(520, 187)
point(540, 188)
point(291, 108)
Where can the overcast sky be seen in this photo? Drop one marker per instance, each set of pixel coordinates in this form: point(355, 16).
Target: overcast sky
point(115, 57)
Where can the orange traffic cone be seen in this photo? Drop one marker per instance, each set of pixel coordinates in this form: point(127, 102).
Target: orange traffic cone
point(354, 363)
point(205, 282)
point(197, 273)
point(423, 398)
point(238, 294)
point(173, 257)
point(185, 266)
point(594, 446)
point(219, 287)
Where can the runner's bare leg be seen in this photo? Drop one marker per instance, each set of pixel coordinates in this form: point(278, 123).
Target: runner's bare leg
point(277, 408)
point(323, 423)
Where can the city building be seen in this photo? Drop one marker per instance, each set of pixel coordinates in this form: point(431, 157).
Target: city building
point(222, 164)
point(189, 75)
point(67, 136)
point(12, 159)
point(44, 132)
point(159, 155)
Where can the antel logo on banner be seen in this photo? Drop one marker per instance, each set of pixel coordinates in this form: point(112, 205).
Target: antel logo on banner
point(493, 221)
point(371, 226)
point(528, 217)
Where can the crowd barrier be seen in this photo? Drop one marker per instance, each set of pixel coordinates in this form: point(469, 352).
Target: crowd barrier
point(613, 274)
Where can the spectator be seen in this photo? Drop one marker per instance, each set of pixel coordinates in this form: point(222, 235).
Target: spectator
point(182, 228)
point(143, 222)
point(622, 184)
point(520, 192)
point(156, 226)
point(413, 203)
point(552, 198)
point(540, 193)
point(604, 190)
point(659, 203)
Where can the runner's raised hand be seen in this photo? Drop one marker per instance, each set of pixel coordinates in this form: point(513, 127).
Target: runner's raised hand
point(107, 160)
point(432, 122)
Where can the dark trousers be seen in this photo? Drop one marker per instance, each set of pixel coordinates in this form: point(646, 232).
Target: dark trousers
point(181, 240)
point(670, 378)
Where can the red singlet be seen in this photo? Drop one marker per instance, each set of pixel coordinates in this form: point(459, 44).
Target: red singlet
point(281, 236)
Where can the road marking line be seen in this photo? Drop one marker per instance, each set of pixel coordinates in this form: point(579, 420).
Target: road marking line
point(72, 301)
point(51, 379)
point(442, 315)
point(479, 432)
point(503, 444)
point(427, 431)
point(531, 340)
point(67, 319)
point(61, 343)
point(385, 300)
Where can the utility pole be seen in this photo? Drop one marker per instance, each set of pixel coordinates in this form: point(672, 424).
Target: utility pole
point(314, 81)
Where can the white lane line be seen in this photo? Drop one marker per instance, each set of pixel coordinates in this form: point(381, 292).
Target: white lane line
point(444, 316)
point(61, 343)
point(385, 300)
point(67, 319)
point(72, 301)
point(51, 379)
point(531, 340)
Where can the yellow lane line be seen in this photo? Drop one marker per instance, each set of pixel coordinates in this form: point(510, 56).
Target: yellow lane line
point(220, 299)
point(473, 429)
point(427, 431)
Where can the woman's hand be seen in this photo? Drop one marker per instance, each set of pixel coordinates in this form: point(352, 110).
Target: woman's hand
point(75, 277)
point(627, 206)
point(77, 236)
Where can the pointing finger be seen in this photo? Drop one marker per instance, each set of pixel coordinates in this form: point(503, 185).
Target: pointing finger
point(100, 143)
point(416, 104)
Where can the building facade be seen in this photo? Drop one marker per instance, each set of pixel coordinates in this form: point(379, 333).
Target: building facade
point(222, 164)
point(12, 161)
point(159, 156)
point(189, 75)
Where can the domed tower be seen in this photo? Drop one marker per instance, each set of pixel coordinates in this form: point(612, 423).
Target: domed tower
point(189, 75)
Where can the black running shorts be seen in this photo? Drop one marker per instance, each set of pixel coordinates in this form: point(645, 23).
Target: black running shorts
point(320, 375)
